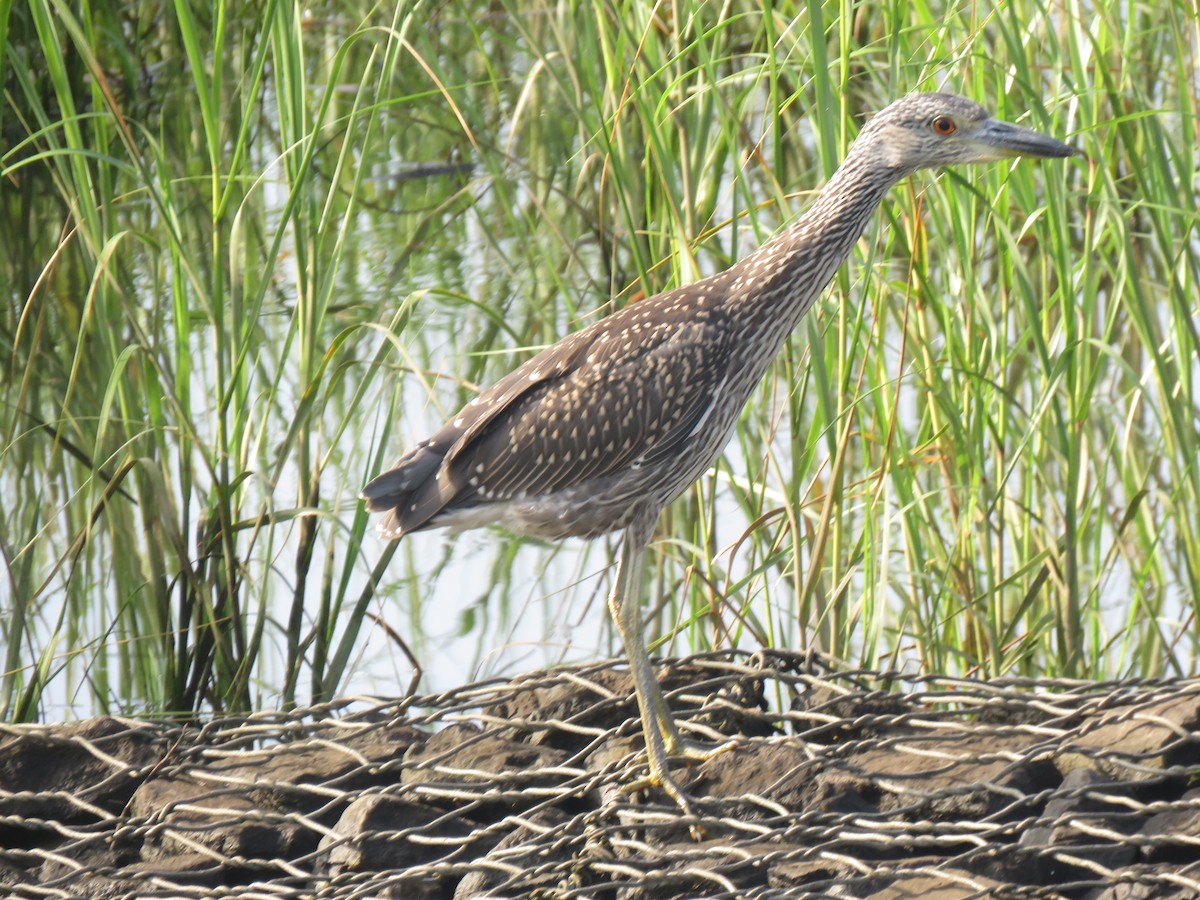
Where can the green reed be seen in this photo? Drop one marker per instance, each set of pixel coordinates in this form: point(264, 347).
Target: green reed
point(253, 251)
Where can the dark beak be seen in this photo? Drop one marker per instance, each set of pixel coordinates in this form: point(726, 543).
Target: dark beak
point(1005, 139)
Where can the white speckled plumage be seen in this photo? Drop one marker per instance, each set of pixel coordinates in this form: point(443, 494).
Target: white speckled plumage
point(603, 429)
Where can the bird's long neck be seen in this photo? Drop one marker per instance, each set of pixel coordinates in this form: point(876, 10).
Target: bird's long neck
point(780, 281)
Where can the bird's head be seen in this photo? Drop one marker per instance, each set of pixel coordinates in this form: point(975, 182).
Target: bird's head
point(931, 130)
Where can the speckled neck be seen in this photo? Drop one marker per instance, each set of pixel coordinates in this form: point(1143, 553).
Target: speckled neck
point(824, 235)
point(777, 283)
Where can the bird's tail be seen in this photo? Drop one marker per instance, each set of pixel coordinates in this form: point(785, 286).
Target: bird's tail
point(392, 491)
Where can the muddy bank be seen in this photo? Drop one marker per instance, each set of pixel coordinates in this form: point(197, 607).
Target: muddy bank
point(841, 784)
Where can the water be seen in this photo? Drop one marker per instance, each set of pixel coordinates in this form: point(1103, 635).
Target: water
point(501, 247)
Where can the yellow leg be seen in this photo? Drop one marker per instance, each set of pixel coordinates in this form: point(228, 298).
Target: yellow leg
point(658, 725)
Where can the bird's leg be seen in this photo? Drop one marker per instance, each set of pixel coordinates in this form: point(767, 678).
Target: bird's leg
point(658, 725)
point(624, 604)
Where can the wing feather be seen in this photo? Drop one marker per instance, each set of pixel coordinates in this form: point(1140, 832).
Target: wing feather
point(624, 391)
point(598, 420)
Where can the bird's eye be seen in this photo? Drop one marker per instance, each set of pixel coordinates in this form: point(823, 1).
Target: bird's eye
point(944, 125)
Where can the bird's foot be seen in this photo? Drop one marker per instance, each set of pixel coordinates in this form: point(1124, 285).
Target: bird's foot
point(695, 751)
point(660, 775)
point(666, 783)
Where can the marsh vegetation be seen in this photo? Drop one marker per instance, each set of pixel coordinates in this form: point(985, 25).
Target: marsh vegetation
point(250, 252)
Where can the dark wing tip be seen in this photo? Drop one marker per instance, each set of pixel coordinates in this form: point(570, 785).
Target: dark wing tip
point(388, 493)
point(384, 491)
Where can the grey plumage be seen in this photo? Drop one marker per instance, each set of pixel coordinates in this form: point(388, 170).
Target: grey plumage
point(603, 429)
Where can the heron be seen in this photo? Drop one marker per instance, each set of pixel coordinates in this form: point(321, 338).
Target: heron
point(600, 431)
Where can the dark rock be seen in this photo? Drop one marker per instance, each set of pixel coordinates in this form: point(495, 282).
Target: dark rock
point(1136, 742)
point(244, 804)
point(884, 796)
point(1014, 710)
point(603, 700)
point(74, 773)
point(198, 869)
point(1077, 797)
point(1070, 863)
point(286, 777)
point(1151, 882)
point(485, 878)
point(834, 715)
point(202, 812)
point(613, 751)
point(12, 874)
point(614, 767)
point(930, 878)
point(1007, 863)
point(700, 868)
point(615, 761)
point(375, 833)
point(946, 778)
point(501, 775)
point(195, 870)
point(731, 708)
point(1129, 891)
point(779, 770)
point(836, 793)
point(374, 739)
point(809, 873)
point(1173, 835)
point(946, 885)
point(71, 864)
point(785, 772)
point(1078, 802)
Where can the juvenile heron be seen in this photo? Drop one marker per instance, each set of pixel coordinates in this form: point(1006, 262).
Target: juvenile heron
point(602, 430)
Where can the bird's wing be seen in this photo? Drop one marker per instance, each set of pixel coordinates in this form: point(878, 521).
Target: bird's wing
point(414, 489)
point(587, 407)
point(621, 410)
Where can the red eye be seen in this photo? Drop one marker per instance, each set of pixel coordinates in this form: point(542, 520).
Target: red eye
point(944, 125)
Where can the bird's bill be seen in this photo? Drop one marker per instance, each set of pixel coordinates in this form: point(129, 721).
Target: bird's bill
point(1006, 140)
